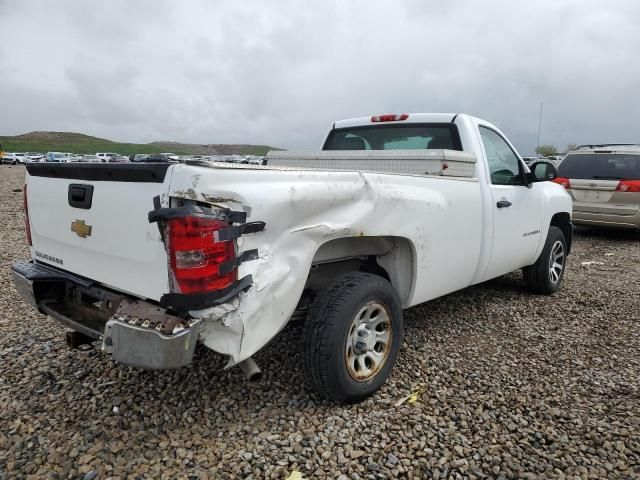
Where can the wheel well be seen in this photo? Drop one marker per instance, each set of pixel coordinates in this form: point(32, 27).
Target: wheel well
point(562, 220)
point(392, 258)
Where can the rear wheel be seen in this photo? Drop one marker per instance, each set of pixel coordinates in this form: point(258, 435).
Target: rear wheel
point(352, 336)
point(545, 276)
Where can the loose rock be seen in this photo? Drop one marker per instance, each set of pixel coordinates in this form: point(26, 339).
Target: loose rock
point(513, 385)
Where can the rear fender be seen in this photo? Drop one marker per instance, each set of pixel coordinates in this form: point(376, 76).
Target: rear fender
point(395, 257)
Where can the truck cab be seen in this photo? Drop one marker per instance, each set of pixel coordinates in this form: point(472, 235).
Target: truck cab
point(515, 208)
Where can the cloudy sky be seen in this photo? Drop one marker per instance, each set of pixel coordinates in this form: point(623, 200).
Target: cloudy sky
point(279, 72)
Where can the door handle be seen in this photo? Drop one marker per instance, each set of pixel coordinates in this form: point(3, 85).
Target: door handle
point(80, 196)
point(503, 204)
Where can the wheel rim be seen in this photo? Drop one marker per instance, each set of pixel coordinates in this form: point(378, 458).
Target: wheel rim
point(368, 341)
point(556, 262)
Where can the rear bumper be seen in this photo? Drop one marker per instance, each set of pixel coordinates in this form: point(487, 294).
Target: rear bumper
point(606, 220)
point(24, 286)
point(133, 331)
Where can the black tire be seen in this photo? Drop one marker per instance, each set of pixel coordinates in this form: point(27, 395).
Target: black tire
point(330, 322)
point(538, 277)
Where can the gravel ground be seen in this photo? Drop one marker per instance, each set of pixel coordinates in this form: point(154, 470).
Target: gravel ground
point(513, 386)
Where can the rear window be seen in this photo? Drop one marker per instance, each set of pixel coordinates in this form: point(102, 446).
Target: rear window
point(395, 137)
point(600, 166)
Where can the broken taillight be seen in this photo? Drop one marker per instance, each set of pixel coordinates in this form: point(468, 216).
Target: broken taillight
point(563, 181)
point(632, 186)
point(196, 257)
point(25, 206)
point(390, 117)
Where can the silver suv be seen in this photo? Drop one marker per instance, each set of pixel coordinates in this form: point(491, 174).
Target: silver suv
point(604, 182)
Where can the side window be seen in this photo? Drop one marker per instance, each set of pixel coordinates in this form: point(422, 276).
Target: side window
point(504, 166)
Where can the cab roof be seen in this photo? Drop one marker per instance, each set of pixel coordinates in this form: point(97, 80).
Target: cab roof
point(608, 148)
point(411, 118)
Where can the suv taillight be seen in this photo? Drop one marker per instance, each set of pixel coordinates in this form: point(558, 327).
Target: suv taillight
point(25, 206)
point(563, 181)
point(195, 256)
point(632, 186)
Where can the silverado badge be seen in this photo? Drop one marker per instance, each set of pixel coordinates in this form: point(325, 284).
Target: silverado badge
point(81, 229)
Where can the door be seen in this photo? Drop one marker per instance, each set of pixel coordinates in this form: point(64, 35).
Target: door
point(517, 208)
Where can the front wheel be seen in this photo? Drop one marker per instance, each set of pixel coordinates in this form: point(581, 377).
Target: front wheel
point(352, 336)
point(545, 276)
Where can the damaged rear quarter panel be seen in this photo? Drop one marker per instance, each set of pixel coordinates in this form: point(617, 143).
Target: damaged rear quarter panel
point(304, 209)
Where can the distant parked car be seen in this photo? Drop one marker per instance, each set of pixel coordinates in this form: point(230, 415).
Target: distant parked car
point(88, 159)
point(604, 182)
point(219, 158)
point(57, 157)
point(14, 158)
point(171, 156)
point(118, 159)
point(35, 157)
point(530, 160)
point(8, 158)
point(254, 160)
point(139, 157)
point(104, 156)
point(155, 157)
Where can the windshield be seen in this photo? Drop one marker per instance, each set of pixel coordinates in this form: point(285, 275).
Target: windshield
point(600, 166)
point(395, 137)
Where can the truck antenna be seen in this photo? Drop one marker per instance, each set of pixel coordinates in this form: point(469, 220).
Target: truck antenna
point(539, 126)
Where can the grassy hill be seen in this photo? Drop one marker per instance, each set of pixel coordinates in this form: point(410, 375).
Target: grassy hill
point(80, 143)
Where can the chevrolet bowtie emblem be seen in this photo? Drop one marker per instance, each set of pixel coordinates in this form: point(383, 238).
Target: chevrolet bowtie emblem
point(81, 229)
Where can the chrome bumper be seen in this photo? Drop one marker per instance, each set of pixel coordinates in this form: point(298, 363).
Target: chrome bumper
point(591, 219)
point(131, 334)
point(145, 348)
point(24, 286)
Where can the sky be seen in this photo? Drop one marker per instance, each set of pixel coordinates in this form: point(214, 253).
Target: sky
point(280, 72)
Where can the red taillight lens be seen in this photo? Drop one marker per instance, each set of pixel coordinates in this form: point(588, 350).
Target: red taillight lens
point(25, 206)
point(195, 256)
point(632, 186)
point(392, 117)
point(563, 181)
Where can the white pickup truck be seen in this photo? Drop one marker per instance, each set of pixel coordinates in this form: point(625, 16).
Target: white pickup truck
point(396, 210)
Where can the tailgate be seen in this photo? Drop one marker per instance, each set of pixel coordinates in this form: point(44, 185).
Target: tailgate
point(603, 197)
point(592, 190)
point(91, 220)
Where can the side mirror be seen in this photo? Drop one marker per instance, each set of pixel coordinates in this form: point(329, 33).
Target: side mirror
point(543, 171)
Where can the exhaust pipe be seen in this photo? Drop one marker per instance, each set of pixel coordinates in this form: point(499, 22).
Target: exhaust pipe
point(251, 371)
